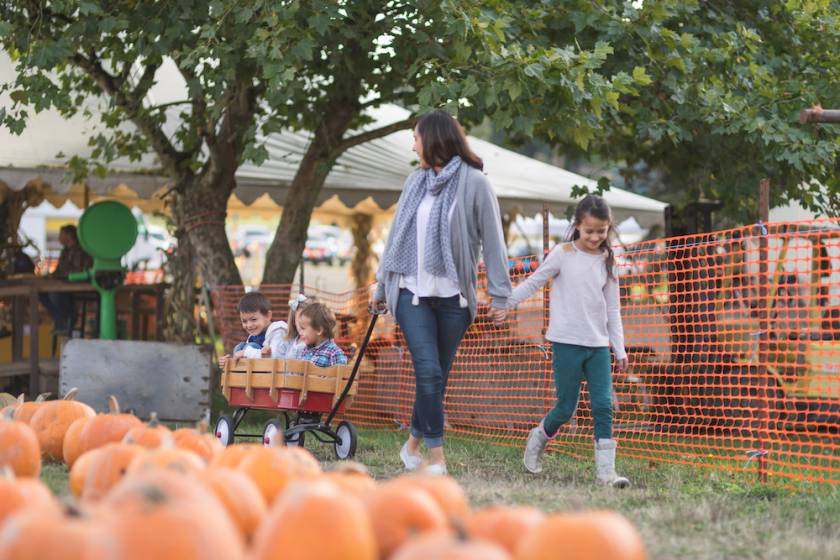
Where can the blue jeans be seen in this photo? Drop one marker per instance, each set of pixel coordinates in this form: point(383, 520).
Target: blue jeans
point(433, 330)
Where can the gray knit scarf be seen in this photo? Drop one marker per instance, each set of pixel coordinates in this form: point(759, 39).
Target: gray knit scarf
point(437, 255)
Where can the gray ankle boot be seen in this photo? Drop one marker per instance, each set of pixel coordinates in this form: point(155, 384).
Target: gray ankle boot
point(537, 440)
point(605, 464)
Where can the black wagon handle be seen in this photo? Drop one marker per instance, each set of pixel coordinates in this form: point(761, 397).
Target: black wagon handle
point(375, 312)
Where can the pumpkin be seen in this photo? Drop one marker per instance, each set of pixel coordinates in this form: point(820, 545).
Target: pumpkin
point(25, 410)
point(172, 458)
point(51, 421)
point(503, 525)
point(19, 448)
point(78, 473)
point(107, 468)
point(110, 427)
point(34, 535)
point(352, 477)
point(399, 511)
point(437, 546)
point(165, 515)
point(232, 455)
point(582, 536)
point(17, 494)
point(273, 468)
point(315, 519)
point(445, 491)
point(151, 435)
point(72, 446)
point(240, 496)
point(199, 441)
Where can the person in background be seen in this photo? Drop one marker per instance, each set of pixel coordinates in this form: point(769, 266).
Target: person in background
point(71, 259)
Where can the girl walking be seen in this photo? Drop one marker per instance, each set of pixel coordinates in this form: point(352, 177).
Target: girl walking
point(446, 217)
point(584, 321)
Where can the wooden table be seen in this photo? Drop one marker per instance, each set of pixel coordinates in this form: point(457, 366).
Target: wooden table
point(29, 287)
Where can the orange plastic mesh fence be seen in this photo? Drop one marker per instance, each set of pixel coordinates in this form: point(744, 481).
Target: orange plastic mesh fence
point(733, 339)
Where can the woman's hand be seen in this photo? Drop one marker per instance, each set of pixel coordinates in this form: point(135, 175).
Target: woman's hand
point(621, 365)
point(497, 314)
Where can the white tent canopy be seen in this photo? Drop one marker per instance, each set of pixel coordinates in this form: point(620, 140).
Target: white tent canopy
point(375, 170)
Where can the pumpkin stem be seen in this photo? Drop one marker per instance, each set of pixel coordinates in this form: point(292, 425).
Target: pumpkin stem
point(42, 397)
point(21, 399)
point(113, 405)
point(153, 420)
point(71, 394)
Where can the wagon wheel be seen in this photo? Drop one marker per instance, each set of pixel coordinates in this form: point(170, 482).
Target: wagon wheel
point(224, 430)
point(345, 446)
point(273, 433)
point(297, 440)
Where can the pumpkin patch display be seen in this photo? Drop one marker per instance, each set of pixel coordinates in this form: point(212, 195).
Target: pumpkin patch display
point(110, 427)
point(316, 519)
point(19, 448)
point(151, 435)
point(51, 421)
point(445, 491)
point(582, 536)
point(71, 448)
point(36, 535)
point(24, 493)
point(172, 458)
point(352, 477)
point(232, 455)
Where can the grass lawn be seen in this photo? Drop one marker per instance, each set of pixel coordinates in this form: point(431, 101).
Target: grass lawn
point(682, 512)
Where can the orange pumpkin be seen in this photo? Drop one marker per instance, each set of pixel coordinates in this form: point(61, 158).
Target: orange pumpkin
point(353, 478)
point(51, 421)
point(445, 491)
point(199, 441)
point(400, 511)
point(25, 410)
point(165, 515)
point(78, 473)
point(503, 525)
point(342, 531)
point(34, 535)
point(19, 448)
point(72, 446)
point(151, 435)
point(107, 428)
point(17, 494)
point(172, 458)
point(582, 536)
point(232, 455)
point(273, 468)
point(240, 496)
point(436, 546)
point(107, 468)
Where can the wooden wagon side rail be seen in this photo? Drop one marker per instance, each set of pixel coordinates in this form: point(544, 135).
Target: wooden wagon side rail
point(276, 374)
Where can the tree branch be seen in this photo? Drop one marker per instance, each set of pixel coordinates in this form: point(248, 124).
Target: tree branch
point(170, 157)
point(369, 135)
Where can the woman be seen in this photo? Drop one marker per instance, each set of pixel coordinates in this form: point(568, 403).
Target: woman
point(446, 217)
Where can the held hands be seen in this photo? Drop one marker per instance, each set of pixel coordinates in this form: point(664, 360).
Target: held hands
point(497, 314)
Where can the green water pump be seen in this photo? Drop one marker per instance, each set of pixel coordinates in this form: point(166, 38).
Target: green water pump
point(107, 231)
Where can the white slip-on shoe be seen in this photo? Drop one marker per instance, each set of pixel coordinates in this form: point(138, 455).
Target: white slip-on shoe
point(534, 449)
point(410, 461)
point(437, 469)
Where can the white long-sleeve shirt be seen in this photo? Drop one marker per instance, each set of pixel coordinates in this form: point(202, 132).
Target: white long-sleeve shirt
point(585, 305)
point(426, 284)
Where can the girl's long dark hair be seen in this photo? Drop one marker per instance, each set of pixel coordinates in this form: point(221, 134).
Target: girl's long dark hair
point(595, 206)
point(443, 138)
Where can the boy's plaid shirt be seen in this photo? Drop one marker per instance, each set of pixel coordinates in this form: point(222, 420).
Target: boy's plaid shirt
point(325, 354)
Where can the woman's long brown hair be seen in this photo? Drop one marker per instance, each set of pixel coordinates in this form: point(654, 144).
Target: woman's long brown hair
point(443, 138)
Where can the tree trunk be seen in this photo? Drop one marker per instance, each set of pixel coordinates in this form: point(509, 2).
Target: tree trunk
point(284, 255)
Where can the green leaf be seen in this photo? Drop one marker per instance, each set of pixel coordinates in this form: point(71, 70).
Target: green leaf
point(641, 77)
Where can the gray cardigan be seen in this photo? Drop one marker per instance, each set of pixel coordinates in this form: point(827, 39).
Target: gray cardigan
point(476, 227)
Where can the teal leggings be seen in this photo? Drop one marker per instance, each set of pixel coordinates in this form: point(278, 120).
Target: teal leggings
point(571, 364)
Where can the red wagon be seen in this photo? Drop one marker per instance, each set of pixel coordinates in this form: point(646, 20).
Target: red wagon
point(301, 391)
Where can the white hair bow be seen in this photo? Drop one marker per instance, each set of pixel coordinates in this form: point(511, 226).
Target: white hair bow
point(297, 301)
